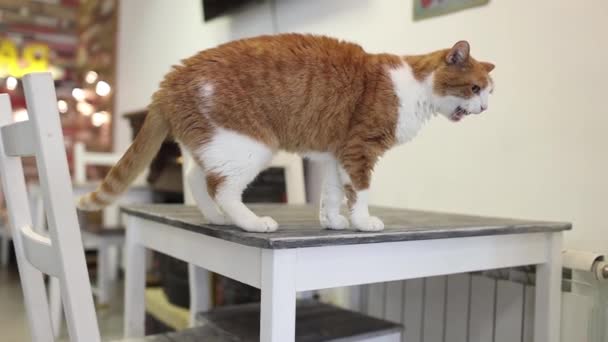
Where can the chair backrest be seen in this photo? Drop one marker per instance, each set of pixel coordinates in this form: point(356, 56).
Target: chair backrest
point(83, 158)
point(60, 253)
point(294, 176)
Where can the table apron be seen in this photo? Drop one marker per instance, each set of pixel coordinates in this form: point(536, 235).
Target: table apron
point(239, 262)
point(335, 266)
point(346, 265)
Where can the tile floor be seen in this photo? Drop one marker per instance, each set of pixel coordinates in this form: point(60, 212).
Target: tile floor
point(12, 312)
point(13, 325)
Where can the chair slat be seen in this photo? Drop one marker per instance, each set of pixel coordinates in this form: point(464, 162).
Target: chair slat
point(56, 187)
point(18, 139)
point(84, 158)
point(39, 251)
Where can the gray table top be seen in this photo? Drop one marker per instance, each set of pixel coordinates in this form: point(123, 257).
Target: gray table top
point(299, 225)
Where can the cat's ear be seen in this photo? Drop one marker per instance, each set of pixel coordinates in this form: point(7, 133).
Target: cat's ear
point(488, 66)
point(459, 53)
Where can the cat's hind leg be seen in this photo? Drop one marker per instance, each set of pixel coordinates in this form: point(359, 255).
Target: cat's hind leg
point(332, 197)
point(197, 182)
point(232, 160)
point(357, 171)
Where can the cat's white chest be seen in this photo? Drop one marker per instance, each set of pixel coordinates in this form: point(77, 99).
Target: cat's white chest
point(414, 103)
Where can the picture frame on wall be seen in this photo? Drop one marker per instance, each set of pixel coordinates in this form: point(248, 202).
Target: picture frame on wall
point(424, 9)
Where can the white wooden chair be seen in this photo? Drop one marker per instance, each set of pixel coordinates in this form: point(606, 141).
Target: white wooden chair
point(58, 251)
point(83, 158)
point(5, 231)
point(294, 176)
point(106, 242)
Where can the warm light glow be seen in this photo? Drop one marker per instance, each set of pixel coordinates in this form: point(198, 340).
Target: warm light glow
point(78, 94)
point(91, 77)
point(62, 106)
point(85, 108)
point(11, 83)
point(102, 88)
point(100, 118)
point(20, 115)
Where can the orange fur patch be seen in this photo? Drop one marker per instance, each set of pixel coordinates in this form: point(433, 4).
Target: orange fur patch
point(213, 182)
point(351, 196)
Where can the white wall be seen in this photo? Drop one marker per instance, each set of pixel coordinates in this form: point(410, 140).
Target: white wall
point(537, 153)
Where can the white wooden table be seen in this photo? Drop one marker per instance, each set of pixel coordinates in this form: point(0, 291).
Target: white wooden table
point(301, 256)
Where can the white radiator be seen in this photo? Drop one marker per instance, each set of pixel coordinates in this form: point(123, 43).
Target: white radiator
point(496, 306)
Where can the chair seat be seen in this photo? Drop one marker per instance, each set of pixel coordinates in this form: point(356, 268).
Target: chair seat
point(315, 322)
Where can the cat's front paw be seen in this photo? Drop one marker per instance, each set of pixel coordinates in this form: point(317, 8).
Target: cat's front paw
point(368, 224)
point(264, 224)
point(336, 222)
point(219, 220)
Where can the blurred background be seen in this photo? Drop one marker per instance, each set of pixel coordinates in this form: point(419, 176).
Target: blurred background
point(537, 153)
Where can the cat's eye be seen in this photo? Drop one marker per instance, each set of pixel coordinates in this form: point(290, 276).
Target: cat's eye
point(475, 89)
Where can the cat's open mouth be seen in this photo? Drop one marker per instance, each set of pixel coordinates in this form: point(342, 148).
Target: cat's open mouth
point(458, 114)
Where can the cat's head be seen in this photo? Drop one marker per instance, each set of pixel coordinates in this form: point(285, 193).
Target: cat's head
point(461, 85)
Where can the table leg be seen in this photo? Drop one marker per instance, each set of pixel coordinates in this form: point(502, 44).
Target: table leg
point(200, 291)
point(548, 293)
point(5, 252)
point(278, 307)
point(103, 274)
point(135, 284)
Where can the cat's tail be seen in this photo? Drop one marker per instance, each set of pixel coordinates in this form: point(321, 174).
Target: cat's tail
point(133, 162)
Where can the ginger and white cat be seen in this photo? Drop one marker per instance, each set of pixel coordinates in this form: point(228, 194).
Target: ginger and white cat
point(235, 105)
